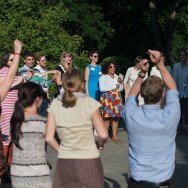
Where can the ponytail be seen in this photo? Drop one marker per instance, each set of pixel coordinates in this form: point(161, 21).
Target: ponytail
point(68, 99)
point(16, 122)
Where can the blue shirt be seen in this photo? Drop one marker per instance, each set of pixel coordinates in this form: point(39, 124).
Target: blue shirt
point(180, 75)
point(151, 134)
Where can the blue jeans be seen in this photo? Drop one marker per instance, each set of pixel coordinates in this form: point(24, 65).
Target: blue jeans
point(43, 108)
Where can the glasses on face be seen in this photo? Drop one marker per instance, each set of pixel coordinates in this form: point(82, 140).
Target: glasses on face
point(43, 60)
point(95, 56)
point(112, 67)
point(10, 60)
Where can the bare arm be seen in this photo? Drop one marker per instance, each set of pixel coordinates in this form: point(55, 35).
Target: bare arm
point(5, 85)
point(135, 90)
point(87, 71)
point(18, 81)
point(99, 126)
point(49, 72)
point(57, 78)
point(50, 132)
point(155, 57)
point(127, 90)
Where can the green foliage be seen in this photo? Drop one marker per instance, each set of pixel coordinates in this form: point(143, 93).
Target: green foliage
point(180, 37)
point(39, 27)
point(81, 60)
point(120, 30)
point(87, 20)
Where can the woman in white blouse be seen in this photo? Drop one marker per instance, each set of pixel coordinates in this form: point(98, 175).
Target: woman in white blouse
point(110, 85)
point(156, 72)
point(130, 77)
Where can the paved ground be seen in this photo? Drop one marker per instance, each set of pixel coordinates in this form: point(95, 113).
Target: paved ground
point(115, 162)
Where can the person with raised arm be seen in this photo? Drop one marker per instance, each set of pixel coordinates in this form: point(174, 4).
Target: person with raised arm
point(151, 128)
point(5, 85)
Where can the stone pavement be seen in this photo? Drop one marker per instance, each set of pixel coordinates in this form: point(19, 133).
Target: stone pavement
point(115, 162)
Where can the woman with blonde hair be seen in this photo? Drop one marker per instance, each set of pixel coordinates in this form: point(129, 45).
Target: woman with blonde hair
point(66, 64)
point(73, 114)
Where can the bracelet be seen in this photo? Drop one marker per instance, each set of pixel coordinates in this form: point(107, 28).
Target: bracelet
point(141, 76)
point(16, 53)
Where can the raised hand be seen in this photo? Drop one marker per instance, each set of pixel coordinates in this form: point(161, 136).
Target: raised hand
point(155, 56)
point(17, 46)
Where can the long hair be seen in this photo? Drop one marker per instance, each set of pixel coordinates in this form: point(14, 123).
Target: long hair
point(63, 55)
point(5, 58)
point(73, 81)
point(26, 97)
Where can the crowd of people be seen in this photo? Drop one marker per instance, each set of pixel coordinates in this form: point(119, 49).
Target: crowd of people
point(85, 104)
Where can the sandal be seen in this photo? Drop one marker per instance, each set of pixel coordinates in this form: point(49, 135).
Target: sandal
point(116, 139)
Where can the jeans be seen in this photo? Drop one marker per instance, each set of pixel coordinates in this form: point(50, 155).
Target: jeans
point(43, 108)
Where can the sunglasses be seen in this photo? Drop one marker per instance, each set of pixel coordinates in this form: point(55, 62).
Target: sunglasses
point(95, 56)
point(112, 67)
point(10, 60)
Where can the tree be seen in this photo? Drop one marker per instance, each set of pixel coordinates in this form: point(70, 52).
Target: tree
point(87, 20)
point(134, 23)
point(38, 26)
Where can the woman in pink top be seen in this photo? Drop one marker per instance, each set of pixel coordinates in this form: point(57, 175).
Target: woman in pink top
point(8, 103)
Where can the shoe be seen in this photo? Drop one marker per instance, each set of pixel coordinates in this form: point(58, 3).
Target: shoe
point(116, 139)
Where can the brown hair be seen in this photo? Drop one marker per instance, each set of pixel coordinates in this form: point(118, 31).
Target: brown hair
point(73, 81)
point(152, 90)
point(138, 59)
point(39, 55)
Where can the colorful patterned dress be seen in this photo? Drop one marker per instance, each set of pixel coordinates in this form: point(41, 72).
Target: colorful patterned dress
point(111, 100)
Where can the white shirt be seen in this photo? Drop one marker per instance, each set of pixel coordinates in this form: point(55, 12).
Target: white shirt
point(131, 75)
point(155, 71)
point(107, 83)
